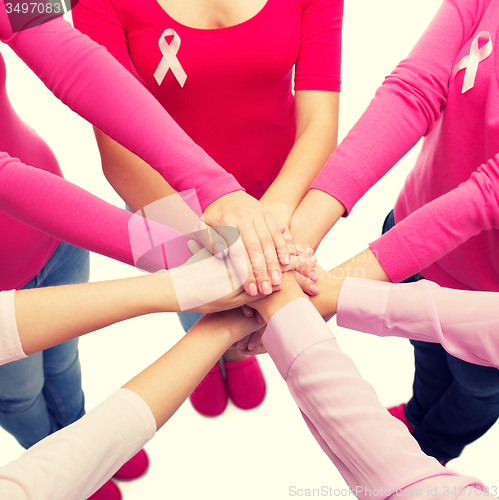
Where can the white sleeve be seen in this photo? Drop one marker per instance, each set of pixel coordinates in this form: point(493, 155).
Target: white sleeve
point(74, 462)
point(10, 343)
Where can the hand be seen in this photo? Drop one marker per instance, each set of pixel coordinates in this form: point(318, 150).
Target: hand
point(252, 344)
point(236, 324)
point(315, 216)
point(304, 263)
point(254, 254)
point(203, 283)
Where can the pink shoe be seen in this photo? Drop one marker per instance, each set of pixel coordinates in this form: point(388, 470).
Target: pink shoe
point(399, 413)
point(133, 469)
point(245, 383)
point(209, 398)
point(108, 491)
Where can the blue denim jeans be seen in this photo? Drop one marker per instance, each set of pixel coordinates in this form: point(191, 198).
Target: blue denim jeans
point(453, 402)
point(42, 393)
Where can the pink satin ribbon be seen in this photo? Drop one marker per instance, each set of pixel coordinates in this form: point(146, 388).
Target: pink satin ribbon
point(471, 61)
point(169, 60)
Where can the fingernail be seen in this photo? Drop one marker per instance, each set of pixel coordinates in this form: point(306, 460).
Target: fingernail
point(314, 289)
point(253, 290)
point(251, 346)
point(303, 257)
point(310, 250)
point(313, 258)
point(288, 238)
point(282, 228)
point(299, 248)
point(276, 277)
point(313, 275)
point(267, 290)
point(285, 259)
point(220, 250)
point(191, 244)
point(200, 226)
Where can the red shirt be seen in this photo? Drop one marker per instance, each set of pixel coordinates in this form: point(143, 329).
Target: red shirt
point(237, 101)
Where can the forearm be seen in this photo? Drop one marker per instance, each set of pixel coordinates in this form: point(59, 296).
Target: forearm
point(314, 217)
point(49, 316)
point(316, 138)
point(314, 143)
point(166, 384)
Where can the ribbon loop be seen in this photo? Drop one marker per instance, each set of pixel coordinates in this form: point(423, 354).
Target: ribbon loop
point(169, 59)
point(471, 61)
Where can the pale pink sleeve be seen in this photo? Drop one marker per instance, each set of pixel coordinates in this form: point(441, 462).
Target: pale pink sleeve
point(10, 343)
point(371, 449)
point(91, 82)
point(464, 322)
point(67, 212)
point(77, 460)
point(404, 109)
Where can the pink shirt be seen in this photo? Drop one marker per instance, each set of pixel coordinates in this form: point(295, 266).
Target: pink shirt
point(373, 451)
point(237, 100)
point(464, 322)
point(120, 106)
point(447, 213)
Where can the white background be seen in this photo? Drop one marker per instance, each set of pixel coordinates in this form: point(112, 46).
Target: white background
point(260, 453)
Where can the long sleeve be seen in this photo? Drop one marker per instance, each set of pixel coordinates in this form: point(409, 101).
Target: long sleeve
point(67, 212)
point(10, 343)
point(91, 82)
point(464, 322)
point(74, 462)
point(371, 449)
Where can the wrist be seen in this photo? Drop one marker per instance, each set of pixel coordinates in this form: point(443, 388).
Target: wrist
point(162, 294)
point(270, 305)
point(315, 216)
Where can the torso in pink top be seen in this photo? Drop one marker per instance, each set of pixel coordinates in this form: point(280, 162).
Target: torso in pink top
point(23, 249)
point(237, 101)
point(448, 212)
point(465, 137)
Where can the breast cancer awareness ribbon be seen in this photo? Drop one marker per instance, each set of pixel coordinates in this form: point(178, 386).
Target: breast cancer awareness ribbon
point(169, 60)
point(470, 62)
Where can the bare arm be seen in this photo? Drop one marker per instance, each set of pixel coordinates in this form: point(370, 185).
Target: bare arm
point(316, 139)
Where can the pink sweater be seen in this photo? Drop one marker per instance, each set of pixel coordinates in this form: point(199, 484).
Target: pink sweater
point(447, 213)
point(373, 451)
point(119, 106)
point(236, 101)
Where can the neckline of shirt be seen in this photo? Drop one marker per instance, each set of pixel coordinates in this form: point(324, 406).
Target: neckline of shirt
point(215, 30)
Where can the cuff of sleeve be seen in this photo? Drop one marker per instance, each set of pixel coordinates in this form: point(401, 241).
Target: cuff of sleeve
point(339, 183)
point(207, 195)
point(10, 345)
point(395, 256)
point(292, 330)
point(133, 399)
point(362, 304)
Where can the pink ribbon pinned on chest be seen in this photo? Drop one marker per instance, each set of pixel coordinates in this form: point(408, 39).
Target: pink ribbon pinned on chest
point(169, 60)
point(471, 61)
